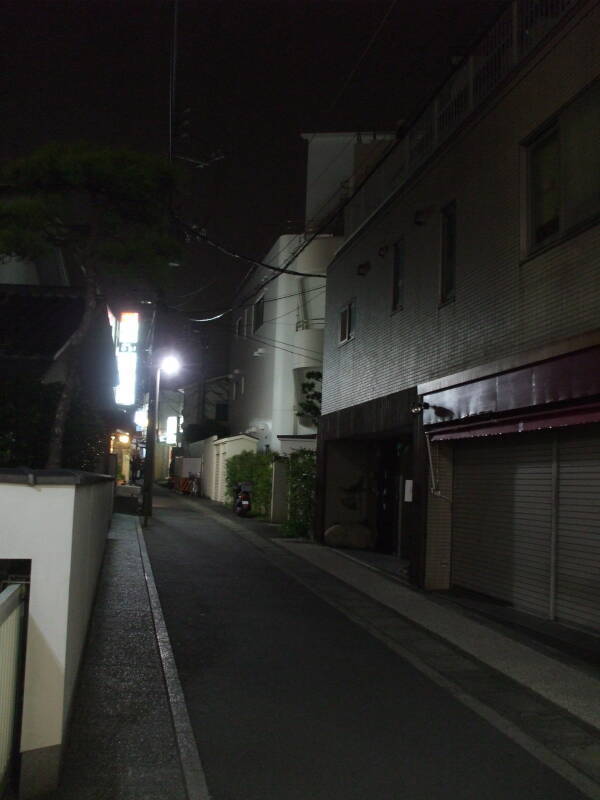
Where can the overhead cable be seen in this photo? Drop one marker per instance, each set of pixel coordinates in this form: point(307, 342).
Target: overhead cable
point(202, 236)
point(249, 305)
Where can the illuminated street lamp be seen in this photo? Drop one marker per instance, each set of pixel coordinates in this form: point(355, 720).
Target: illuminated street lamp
point(170, 365)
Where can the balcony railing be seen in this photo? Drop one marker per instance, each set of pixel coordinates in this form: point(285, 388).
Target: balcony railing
point(12, 619)
point(515, 33)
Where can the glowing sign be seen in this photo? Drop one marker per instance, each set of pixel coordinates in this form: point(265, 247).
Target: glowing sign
point(171, 437)
point(127, 337)
point(141, 417)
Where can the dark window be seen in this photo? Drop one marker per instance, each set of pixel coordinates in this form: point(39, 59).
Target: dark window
point(448, 272)
point(564, 165)
point(347, 315)
point(545, 187)
point(398, 276)
point(239, 328)
point(259, 314)
point(221, 412)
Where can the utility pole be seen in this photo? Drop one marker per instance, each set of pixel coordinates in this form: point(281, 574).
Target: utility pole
point(151, 436)
point(151, 430)
point(173, 75)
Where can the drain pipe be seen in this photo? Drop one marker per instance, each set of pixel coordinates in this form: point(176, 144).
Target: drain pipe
point(434, 483)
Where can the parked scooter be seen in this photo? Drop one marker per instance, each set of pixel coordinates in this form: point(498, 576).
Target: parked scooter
point(242, 504)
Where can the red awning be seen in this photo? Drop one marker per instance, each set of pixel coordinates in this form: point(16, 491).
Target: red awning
point(535, 421)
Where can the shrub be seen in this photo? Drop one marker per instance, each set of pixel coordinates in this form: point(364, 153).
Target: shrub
point(255, 468)
point(302, 478)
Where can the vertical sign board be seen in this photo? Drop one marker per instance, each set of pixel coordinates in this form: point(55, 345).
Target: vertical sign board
point(127, 339)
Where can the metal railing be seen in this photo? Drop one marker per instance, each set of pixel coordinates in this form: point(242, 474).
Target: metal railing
point(12, 622)
point(515, 33)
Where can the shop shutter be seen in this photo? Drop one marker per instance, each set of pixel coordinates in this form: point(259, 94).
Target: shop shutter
point(578, 540)
point(502, 519)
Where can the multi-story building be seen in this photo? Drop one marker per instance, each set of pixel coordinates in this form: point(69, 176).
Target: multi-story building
point(461, 389)
point(278, 329)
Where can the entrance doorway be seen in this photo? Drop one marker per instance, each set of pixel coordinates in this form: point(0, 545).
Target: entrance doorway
point(393, 470)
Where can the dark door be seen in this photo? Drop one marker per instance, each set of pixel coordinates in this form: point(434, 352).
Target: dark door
point(392, 468)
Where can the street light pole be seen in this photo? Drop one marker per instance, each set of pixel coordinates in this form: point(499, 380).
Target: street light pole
point(151, 435)
point(170, 365)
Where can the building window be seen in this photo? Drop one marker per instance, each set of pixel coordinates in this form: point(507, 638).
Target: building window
point(563, 169)
point(221, 412)
point(242, 385)
point(347, 319)
point(398, 276)
point(259, 314)
point(234, 390)
point(545, 187)
point(239, 328)
point(448, 266)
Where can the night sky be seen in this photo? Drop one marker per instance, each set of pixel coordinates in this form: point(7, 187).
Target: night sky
point(254, 74)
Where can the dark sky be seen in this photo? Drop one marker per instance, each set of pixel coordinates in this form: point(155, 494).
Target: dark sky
point(255, 75)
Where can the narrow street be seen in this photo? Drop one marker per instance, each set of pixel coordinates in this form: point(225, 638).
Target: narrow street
point(291, 700)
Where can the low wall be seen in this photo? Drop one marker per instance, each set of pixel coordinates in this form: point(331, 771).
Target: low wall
point(59, 521)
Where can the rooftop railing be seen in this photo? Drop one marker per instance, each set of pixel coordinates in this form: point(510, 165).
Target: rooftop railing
point(515, 33)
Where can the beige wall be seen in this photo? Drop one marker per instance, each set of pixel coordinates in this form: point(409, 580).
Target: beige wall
point(91, 521)
point(62, 530)
point(214, 454)
point(205, 451)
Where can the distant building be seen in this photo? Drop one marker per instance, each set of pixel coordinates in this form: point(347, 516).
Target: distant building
point(278, 329)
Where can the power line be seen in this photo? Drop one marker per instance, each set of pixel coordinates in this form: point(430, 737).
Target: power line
point(196, 291)
point(201, 236)
point(329, 218)
point(270, 341)
point(278, 345)
point(334, 103)
point(249, 305)
point(285, 297)
point(364, 54)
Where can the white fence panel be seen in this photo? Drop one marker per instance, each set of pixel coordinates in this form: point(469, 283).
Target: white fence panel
point(11, 627)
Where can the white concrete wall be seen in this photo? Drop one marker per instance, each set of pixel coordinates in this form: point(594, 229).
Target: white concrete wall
point(330, 162)
point(18, 271)
point(62, 530)
point(504, 303)
point(336, 161)
point(91, 521)
point(280, 491)
point(267, 359)
point(162, 460)
point(224, 449)
point(205, 451)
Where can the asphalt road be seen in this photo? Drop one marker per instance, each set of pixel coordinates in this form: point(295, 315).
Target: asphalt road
point(291, 700)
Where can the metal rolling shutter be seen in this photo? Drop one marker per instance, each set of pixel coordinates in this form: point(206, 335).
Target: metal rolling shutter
point(578, 535)
point(502, 519)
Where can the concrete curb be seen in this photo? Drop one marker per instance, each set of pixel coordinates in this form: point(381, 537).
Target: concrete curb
point(191, 765)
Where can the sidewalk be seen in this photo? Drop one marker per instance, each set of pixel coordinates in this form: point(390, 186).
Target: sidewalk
point(129, 735)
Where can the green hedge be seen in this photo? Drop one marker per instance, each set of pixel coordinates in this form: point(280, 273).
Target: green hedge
point(257, 469)
point(302, 478)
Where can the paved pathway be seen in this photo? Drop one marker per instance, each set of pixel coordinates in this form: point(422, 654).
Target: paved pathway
point(292, 700)
point(122, 743)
